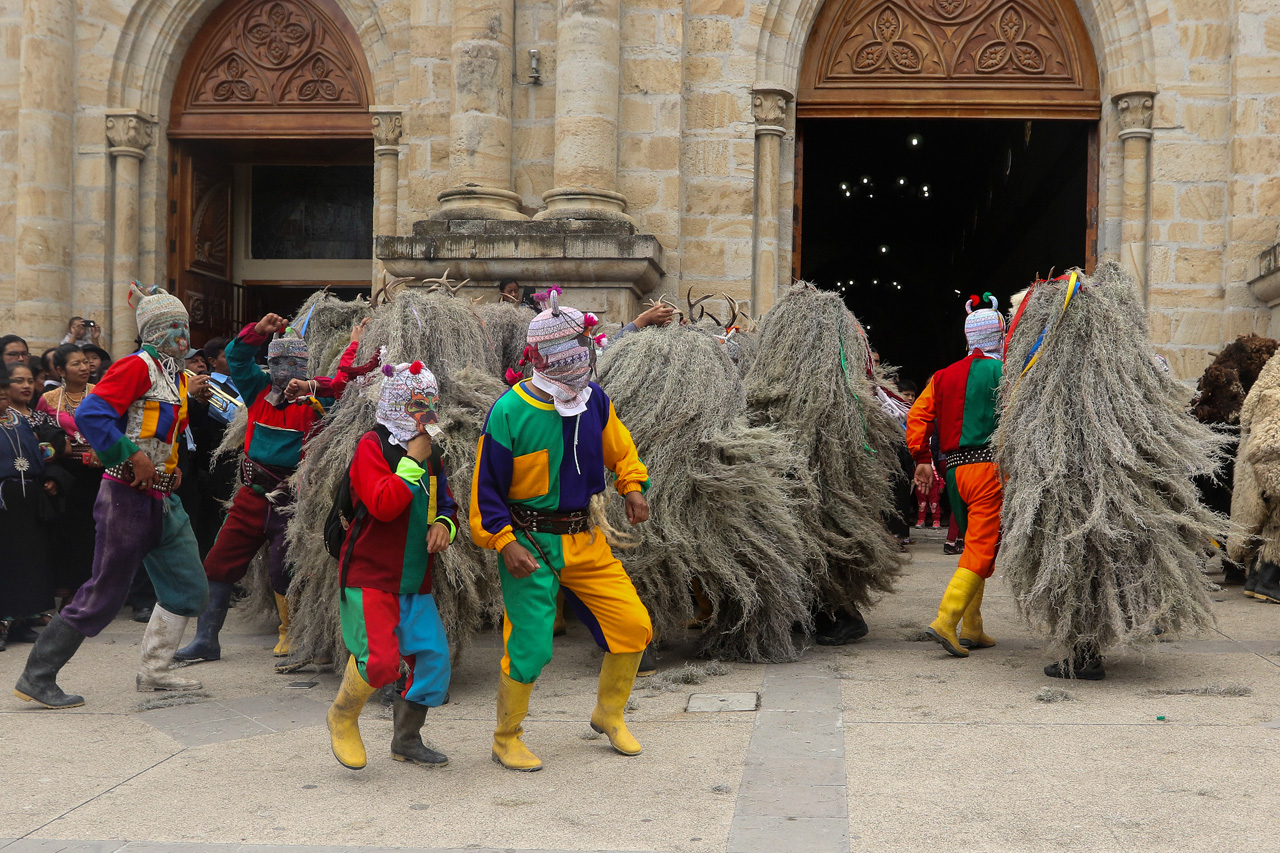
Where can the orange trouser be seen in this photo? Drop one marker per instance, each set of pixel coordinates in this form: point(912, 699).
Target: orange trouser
point(976, 497)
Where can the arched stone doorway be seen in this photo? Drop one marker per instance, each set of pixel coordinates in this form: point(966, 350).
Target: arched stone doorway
point(942, 147)
point(271, 162)
point(1113, 46)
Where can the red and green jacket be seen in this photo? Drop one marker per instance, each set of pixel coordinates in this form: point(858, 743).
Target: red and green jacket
point(275, 433)
point(962, 402)
point(402, 500)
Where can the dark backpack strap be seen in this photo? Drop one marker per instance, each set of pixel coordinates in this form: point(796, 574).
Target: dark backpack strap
point(392, 453)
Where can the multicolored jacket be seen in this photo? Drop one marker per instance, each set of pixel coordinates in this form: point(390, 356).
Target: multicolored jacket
point(963, 400)
point(531, 456)
point(276, 433)
point(387, 548)
point(136, 406)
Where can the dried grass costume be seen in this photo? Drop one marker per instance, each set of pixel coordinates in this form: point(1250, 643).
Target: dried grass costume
point(811, 379)
point(1103, 526)
point(727, 498)
point(1254, 512)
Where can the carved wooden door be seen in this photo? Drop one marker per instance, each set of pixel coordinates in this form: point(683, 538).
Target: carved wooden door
point(200, 222)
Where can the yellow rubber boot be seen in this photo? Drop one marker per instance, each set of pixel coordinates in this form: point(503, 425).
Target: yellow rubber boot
point(344, 718)
point(961, 590)
point(617, 675)
point(971, 634)
point(282, 648)
point(513, 704)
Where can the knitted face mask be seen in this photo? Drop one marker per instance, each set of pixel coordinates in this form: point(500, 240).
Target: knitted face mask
point(563, 354)
point(409, 402)
point(282, 368)
point(173, 341)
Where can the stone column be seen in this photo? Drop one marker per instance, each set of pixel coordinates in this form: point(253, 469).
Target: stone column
point(129, 133)
point(387, 128)
point(588, 52)
point(1136, 110)
point(770, 109)
point(43, 198)
point(480, 127)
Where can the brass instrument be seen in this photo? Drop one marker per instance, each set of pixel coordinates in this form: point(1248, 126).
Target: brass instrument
point(221, 400)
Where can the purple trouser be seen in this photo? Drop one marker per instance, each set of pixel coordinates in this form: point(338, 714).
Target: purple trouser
point(135, 529)
point(251, 521)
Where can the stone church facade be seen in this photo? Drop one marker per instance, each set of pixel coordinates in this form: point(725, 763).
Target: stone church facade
point(623, 147)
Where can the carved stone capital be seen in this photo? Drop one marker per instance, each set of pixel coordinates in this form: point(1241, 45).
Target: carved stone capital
point(129, 132)
point(387, 128)
point(769, 108)
point(1136, 109)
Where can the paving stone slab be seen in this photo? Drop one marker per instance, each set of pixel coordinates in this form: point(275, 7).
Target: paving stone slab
point(701, 703)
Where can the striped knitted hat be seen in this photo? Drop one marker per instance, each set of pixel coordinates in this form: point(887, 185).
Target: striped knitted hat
point(288, 343)
point(984, 327)
point(157, 310)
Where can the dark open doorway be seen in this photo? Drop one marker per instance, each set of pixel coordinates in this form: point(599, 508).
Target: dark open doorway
point(909, 217)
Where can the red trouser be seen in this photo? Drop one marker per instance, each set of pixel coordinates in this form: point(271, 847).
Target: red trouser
point(251, 521)
point(976, 498)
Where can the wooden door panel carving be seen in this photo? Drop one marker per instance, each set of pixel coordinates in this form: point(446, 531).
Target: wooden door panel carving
point(200, 189)
point(265, 66)
point(949, 57)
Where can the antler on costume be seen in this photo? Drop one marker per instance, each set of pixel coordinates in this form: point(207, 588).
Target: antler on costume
point(697, 303)
point(662, 300)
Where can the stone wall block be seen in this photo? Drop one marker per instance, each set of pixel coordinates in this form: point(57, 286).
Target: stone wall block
point(645, 76)
point(1256, 155)
point(1267, 197)
point(1188, 161)
point(1205, 41)
point(1200, 202)
point(708, 36)
point(1197, 328)
point(1198, 266)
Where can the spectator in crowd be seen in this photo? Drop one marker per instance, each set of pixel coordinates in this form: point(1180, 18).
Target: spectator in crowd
point(99, 361)
point(658, 315)
point(22, 399)
point(82, 332)
point(50, 372)
point(509, 290)
point(25, 586)
point(14, 349)
point(75, 532)
point(907, 390)
point(197, 364)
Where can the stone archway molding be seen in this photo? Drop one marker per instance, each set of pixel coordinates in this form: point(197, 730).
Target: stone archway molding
point(1120, 32)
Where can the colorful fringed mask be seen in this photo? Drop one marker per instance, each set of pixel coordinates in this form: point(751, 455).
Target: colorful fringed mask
point(409, 402)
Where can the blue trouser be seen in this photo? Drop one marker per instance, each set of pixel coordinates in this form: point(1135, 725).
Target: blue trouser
point(381, 629)
point(135, 529)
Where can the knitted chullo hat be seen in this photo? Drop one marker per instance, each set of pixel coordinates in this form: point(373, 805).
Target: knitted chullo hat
point(157, 310)
point(289, 343)
point(984, 327)
point(562, 351)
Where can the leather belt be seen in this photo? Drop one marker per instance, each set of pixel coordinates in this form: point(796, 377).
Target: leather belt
point(124, 473)
point(969, 456)
point(269, 479)
point(560, 523)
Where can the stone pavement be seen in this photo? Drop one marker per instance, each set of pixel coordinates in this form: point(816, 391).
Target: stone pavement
point(884, 745)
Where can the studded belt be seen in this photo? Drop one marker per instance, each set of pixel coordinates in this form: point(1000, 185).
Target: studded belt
point(560, 523)
point(123, 472)
point(969, 456)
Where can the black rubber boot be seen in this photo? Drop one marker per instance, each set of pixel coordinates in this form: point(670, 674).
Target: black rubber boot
point(1233, 573)
point(1268, 588)
point(56, 645)
point(1085, 664)
point(4, 634)
point(406, 740)
point(1251, 580)
point(842, 628)
point(204, 645)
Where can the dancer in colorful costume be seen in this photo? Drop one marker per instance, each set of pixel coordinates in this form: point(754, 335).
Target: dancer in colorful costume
point(131, 420)
point(962, 401)
point(278, 427)
point(406, 516)
point(541, 460)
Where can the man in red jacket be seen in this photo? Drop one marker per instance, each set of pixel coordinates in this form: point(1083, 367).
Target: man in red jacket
point(405, 516)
